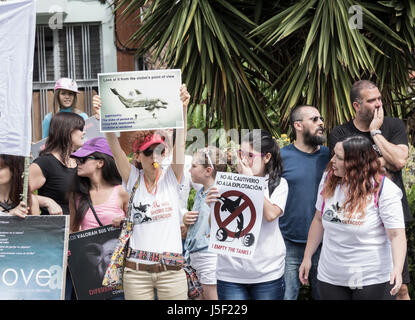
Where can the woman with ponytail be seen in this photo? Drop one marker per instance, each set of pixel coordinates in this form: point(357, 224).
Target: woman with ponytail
point(262, 277)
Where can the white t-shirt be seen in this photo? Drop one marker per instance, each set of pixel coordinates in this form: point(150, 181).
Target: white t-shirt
point(357, 252)
point(156, 217)
point(186, 183)
point(268, 262)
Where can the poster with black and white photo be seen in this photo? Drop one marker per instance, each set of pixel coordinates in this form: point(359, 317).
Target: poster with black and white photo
point(140, 100)
point(90, 254)
point(33, 255)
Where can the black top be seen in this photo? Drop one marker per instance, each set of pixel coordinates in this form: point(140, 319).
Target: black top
point(393, 129)
point(58, 180)
point(6, 206)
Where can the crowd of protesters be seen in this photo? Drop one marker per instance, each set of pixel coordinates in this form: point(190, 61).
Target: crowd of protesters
point(329, 213)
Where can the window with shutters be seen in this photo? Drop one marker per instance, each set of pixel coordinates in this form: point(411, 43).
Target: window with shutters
point(74, 52)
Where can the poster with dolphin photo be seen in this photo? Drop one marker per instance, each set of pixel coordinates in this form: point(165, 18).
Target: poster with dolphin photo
point(90, 253)
point(140, 100)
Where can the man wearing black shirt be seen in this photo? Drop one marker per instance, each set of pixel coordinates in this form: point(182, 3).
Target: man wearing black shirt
point(389, 139)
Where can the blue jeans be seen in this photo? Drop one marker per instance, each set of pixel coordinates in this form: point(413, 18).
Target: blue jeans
point(293, 259)
point(69, 289)
point(120, 297)
point(270, 290)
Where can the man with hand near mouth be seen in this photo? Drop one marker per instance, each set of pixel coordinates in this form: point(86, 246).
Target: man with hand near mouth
point(304, 162)
point(389, 139)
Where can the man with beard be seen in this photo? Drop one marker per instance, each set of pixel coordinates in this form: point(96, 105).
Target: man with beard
point(389, 139)
point(304, 162)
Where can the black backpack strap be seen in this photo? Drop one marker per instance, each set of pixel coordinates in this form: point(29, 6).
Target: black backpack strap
point(93, 210)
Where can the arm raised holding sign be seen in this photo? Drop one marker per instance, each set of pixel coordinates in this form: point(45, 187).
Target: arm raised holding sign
point(154, 211)
point(260, 156)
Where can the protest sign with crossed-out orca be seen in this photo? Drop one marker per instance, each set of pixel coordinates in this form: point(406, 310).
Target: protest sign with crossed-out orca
point(237, 216)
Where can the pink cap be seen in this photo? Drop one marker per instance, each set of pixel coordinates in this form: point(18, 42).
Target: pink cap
point(148, 141)
point(66, 84)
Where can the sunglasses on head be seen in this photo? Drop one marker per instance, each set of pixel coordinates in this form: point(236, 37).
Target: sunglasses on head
point(314, 119)
point(85, 159)
point(148, 152)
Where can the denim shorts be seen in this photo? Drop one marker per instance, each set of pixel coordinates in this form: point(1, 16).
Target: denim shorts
point(204, 262)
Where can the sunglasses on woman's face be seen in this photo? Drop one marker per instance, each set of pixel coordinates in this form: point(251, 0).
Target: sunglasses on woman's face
point(249, 155)
point(85, 159)
point(148, 152)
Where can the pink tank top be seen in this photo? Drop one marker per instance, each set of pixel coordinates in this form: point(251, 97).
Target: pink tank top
point(105, 212)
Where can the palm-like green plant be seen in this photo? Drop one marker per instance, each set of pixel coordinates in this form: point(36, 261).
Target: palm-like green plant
point(244, 58)
point(207, 41)
point(334, 52)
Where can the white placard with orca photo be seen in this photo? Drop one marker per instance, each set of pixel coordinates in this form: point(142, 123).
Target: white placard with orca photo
point(140, 100)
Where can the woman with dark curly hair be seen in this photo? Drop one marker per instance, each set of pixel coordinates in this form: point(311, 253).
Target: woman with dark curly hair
point(359, 218)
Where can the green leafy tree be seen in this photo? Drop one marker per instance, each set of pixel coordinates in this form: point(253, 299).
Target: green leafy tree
point(250, 62)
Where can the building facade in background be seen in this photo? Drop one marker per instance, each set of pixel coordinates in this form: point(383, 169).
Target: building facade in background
point(77, 39)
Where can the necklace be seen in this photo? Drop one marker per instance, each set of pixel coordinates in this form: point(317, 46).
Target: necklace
point(154, 186)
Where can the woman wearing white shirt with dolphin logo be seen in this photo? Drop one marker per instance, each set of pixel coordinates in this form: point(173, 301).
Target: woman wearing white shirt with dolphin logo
point(359, 217)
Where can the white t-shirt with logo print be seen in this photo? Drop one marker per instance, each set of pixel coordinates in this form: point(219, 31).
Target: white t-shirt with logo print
point(156, 216)
point(356, 252)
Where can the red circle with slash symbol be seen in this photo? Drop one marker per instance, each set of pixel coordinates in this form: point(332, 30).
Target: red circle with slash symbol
point(247, 203)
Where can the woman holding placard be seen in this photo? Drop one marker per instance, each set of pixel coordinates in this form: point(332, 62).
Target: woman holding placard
point(154, 258)
point(261, 278)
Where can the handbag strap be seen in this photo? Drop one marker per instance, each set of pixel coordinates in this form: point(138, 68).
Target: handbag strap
point(93, 210)
point(132, 194)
